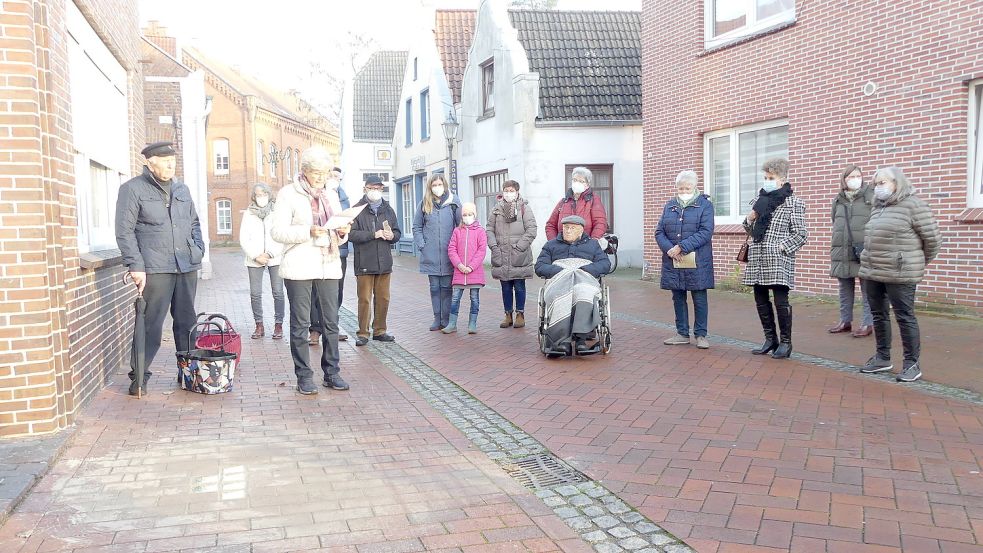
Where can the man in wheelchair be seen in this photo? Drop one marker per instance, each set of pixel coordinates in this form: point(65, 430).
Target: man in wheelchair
point(574, 264)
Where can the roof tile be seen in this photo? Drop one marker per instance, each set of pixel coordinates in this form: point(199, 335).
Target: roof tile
point(376, 96)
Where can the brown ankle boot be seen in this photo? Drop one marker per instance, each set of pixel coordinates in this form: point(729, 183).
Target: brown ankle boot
point(520, 320)
point(259, 332)
point(508, 320)
point(278, 331)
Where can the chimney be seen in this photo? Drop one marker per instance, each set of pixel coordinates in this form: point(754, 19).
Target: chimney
point(157, 33)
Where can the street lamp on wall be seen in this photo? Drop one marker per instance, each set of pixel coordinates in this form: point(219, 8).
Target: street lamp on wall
point(451, 126)
point(275, 157)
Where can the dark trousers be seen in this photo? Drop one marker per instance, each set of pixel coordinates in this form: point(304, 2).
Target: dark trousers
point(440, 298)
point(762, 299)
point(163, 292)
point(301, 294)
point(517, 289)
point(882, 297)
point(767, 315)
point(316, 307)
point(373, 303)
point(701, 311)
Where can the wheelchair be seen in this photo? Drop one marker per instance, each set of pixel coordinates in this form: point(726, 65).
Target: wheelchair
point(600, 339)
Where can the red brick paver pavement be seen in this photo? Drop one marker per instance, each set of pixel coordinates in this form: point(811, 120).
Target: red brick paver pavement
point(728, 451)
point(264, 469)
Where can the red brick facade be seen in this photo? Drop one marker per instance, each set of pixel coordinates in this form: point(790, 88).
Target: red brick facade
point(62, 326)
point(921, 56)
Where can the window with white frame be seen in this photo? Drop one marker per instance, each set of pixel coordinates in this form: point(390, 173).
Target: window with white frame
point(409, 121)
point(220, 149)
point(488, 88)
point(274, 161)
point(975, 196)
point(100, 131)
point(289, 173)
point(486, 190)
point(260, 158)
point(223, 217)
point(408, 207)
point(425, 114)
point(732, 160)
point(729, 20)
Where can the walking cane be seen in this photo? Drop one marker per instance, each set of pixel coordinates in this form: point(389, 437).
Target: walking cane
point(139, 337)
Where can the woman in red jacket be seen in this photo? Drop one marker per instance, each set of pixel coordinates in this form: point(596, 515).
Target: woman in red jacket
point(580, 200)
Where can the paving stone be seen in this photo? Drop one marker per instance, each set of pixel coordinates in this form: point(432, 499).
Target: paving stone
point(596, 536)
point(646, 527)
point(581, 501)
point(621, 532)
point(594, 511)
point(607, 547)
point(633, 543)
point(606, 521)
point(566, 512)
point(567, 490)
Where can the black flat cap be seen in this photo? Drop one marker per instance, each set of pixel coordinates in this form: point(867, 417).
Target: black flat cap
point(373, 179)
point(160, 149)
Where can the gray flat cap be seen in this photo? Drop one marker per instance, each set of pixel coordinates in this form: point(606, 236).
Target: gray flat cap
point(574, 220)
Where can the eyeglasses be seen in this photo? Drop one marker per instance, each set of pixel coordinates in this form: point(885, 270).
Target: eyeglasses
point(578, 179)
point(316, 174)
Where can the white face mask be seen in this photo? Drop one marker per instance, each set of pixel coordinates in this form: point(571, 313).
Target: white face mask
point(685, 198)
point(374, 195)
point(883, 191)
point(854, 184)
point(468, 219)
point(333, 184)
point(438, 191)
point(578, 187)
point(262, 201)
point(770, 185)
point(510, 196)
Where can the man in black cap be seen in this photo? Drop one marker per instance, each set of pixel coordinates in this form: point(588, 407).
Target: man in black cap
point(159, 235)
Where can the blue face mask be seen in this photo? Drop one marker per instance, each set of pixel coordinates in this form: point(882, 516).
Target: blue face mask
point(770, 186)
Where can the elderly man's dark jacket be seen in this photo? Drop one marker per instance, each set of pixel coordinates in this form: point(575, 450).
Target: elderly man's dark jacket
point(584, 248)
point(154, 235)
point(373, 256)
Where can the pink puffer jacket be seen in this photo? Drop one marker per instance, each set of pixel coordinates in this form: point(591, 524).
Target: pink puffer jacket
point(467, 246)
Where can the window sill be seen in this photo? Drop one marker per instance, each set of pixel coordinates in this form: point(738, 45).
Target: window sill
point(100, 259)
point(747, 38)
point(972, 215)
point(425, 139)
point(487, 115)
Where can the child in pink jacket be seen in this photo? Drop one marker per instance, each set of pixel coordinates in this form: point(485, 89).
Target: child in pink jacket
point(467, 254)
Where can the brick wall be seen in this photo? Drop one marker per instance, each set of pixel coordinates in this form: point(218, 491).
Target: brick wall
point(919, 53)
point(61, 326)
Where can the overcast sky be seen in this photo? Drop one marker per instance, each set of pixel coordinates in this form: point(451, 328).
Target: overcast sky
point(277, 41)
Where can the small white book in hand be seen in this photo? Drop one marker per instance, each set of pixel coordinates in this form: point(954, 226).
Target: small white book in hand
point(344, 218)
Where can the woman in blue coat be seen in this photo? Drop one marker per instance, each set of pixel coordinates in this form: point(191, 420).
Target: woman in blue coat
point(684, 234)
point(433, 224)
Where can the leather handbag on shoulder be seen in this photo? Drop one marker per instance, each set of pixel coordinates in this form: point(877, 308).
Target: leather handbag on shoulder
point(742, 253)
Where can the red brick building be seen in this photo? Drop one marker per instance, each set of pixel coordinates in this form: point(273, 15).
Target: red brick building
point(730, 83)
point(71, 128)
point(250, 123)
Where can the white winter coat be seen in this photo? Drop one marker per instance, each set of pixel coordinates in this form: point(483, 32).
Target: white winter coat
point(255, 238)
point(292, 221)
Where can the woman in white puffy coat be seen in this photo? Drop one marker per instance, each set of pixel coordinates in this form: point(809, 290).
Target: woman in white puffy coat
point(262, 254)
point(311, 265)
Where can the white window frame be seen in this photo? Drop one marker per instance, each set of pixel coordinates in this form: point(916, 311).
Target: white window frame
point(974, 191)
point(488, 88)
point(260, 157)
point(425, 114)
point(220, 156)
point(752, 27)
point(223, 205)
point(409, 207)
point(485, 188)
point(735, 165)
point(101, 131)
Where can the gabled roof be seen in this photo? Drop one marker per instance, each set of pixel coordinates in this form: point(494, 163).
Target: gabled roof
point(375, 100)
point(453, 31)
point(158, 62)
point(274, 101)
point(589, 62)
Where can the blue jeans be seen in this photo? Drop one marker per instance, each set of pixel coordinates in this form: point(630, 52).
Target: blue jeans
point(456, 301)
point(700, 311)
point(440, 298)
point(516, 288)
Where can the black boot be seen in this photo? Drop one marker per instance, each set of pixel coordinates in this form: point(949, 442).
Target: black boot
point(768, 326)
point(785, 327)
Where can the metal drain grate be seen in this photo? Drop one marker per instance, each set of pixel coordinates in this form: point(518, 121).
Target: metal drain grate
point(540, 472)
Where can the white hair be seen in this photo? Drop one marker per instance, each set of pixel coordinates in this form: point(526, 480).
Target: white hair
point(315, 158)
point(585, 173)
point(687, 176)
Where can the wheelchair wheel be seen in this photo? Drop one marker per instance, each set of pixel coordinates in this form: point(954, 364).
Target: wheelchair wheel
point(604, 338)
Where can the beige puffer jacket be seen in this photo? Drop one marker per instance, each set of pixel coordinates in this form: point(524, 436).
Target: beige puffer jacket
point(292, 220)
point(902, 237)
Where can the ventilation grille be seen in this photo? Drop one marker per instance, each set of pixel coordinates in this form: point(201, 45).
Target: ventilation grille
point(542, 471)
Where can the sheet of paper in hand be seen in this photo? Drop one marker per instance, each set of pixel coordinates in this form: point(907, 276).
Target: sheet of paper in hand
point(344, 218)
